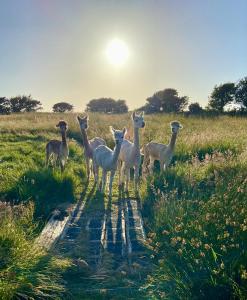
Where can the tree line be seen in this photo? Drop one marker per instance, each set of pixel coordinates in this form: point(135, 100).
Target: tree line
point(227, 96)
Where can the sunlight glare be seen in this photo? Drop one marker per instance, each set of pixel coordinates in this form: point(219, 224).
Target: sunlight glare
point(117, 52)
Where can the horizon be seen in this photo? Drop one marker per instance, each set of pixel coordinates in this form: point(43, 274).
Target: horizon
point(122, 50)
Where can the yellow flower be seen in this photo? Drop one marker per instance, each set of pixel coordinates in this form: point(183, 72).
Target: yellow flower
point(207, 247)
point(244, 275)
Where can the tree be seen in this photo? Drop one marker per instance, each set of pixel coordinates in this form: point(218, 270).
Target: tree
point(120, 107)
point(166, 100)
point(4, 106)
point(195, 108)
point(62, 107)
point(241, 92)
point(24, 104)
point(222, 95)
point(107, 105)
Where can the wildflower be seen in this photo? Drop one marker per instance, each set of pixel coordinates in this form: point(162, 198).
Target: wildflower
point(165, 232)
point(173, 241)
point(226, 234)
point(223, 248)
point(222, 266)
point(244, 275)
point(202, 254)
point(206, 246)
point(180, 251)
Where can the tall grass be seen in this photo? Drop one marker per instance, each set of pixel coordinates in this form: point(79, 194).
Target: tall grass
point(195, 212)
point(26, 271)
point(198, 230)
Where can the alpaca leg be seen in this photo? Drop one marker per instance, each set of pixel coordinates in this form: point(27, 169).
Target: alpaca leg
point(96, 173)
point(151, 166)
point(111, 181)
point(122, 174)
point(104, 174)
point(127, 174)
point(88, 167)
point(162, 165)
point(62, 165)
point(119, 166)
point(136, 177)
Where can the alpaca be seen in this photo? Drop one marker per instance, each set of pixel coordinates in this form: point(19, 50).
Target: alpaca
point(130, 155)
point(107, 159)
point(163, 153)
point(58, 149)
point(89, 145)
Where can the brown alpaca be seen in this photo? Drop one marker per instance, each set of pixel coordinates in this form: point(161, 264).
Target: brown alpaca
point(89, 145)
point(58, 149)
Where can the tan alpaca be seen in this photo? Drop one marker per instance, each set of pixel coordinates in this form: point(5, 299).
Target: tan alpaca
point(163, 153)
point(58, 149)
point(89, 145)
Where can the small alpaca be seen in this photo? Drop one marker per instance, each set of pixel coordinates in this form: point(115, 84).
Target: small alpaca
point(130, 155)
point(89, 145)
point(58, 149)
point(163, 153)
point(107, 159)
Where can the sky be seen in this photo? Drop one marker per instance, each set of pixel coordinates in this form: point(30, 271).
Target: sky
point(55, 49)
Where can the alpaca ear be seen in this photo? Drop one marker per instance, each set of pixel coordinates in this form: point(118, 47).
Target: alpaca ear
point(133, 114)
point(78, 118)
point(142, 114)
point(124, 131)
point(112, 130)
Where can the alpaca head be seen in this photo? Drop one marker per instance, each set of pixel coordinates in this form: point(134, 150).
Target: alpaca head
point(175, 126)
point(62, 125)
point(83, 122)
point(118, 135)
point(138, 120)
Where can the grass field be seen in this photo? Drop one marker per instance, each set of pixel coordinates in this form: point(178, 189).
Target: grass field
point(195, 213)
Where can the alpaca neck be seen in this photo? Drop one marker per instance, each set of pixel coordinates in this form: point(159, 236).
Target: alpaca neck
point(116, 152)
point(173, 140)
point(85, 139)
point(136, 138)
point(64, 140)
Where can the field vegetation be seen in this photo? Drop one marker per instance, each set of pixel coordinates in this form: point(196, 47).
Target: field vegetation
point(195, 212)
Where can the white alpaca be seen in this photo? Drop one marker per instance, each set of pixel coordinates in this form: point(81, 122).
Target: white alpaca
point(130, 155)
point(163, 153)
point(89, 145)
point(107, 159)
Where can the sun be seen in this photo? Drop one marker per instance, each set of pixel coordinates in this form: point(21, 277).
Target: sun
point(117, 52)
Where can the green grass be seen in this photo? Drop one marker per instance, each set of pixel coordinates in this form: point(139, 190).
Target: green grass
point(195, 213)
point(26, 271)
